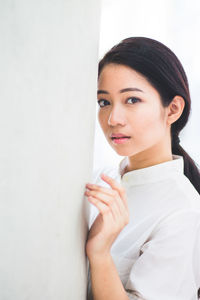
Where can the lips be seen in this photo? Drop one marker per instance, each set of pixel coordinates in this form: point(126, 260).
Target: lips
point(119, 136)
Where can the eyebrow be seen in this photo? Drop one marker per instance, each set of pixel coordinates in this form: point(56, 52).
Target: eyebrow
point(121, 91)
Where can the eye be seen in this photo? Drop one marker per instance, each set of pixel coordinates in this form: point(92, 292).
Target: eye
point(134, 99)
point(101, 101)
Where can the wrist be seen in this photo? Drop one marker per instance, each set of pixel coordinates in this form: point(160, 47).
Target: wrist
point(100, 259)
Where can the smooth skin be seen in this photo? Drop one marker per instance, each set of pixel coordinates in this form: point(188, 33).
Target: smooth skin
point(140, 115)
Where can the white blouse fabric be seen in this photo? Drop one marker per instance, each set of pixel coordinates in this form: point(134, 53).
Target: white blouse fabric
point(157, 255)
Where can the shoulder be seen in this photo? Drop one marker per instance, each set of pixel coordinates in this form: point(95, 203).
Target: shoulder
point(184, 193)
point(174, 193)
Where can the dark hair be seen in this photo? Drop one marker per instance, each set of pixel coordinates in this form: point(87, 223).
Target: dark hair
point(163, 70)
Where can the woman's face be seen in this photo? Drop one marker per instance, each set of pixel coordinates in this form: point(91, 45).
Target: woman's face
point(136, 113)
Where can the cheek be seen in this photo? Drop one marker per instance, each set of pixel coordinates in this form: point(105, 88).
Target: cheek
point(102, 118)
point(148, 123)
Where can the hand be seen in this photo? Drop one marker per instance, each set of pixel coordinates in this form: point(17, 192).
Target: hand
point(112, 218)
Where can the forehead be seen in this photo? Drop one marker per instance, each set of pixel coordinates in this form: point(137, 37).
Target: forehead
point(115, 74)
point(114, 77)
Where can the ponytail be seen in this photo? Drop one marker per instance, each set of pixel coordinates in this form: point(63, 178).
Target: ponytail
point(191, 169)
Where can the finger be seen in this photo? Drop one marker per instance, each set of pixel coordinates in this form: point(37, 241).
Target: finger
point(122, 208)
point(106, 212)
point(110, 192)
point(99, 188)
point(104, 209)
point(108, 200)
point(116, 186)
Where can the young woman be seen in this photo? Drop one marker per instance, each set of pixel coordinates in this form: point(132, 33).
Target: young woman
point(144, 238)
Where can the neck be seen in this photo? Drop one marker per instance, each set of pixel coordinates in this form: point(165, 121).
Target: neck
point(157, 154)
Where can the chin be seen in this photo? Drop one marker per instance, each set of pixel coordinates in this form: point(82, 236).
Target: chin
point(124, 152)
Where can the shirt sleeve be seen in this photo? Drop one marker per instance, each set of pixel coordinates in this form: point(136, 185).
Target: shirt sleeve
point(169, 265)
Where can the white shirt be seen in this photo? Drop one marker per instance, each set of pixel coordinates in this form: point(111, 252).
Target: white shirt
point(158, 253)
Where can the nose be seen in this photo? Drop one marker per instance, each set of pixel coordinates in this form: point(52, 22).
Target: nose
point(117, 116)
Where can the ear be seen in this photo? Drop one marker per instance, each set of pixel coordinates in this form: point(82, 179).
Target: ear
point(175, 109)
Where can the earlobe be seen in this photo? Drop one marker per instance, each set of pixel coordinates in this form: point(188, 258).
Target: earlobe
point(175, 109)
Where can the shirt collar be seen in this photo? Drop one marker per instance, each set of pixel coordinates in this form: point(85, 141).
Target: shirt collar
point(153, 173)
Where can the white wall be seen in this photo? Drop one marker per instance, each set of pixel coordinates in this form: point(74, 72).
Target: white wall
point(175, 23)
point(48, 59)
